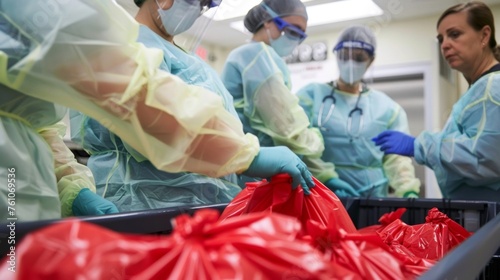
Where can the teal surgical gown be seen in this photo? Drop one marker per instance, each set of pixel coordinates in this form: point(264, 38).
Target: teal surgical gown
point(125, 177)
point(259, 81)
point(465, 155)
point(356, 158)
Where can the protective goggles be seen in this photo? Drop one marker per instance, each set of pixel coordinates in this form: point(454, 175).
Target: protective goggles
point(355, 50)
point(290, 30)
point(210, 3)
point(205, 5)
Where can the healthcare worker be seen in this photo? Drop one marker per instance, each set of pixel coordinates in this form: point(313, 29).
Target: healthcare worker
point(114, 79)
point(465, 155)
point(42, 179)
point(123, 175)
point(258, 78)
point(349, 114)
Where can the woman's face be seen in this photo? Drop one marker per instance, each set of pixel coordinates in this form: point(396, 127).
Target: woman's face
point(461, 45)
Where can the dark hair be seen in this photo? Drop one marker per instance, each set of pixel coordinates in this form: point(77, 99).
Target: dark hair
point(479, 15)
point(139, 2)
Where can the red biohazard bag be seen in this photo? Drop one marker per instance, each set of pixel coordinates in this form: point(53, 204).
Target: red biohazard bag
point(254, 246)
point(413, 266)
point(384, 221)
point(277, 196)
point(430, 240)
point(365, 255)
point(77, 250)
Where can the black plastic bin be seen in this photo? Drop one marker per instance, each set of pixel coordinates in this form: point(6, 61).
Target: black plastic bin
point(364, 212)
point(470, 214)
point(138, 222)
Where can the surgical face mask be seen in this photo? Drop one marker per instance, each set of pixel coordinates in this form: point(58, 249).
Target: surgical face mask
point(284, 45)
point(180, 17)
point(351, 71)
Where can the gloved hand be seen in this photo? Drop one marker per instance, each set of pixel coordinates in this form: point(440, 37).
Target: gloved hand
point(89, 203)
point(274, 160)
point(411, 195)
point(395, 142)
point(341, 188)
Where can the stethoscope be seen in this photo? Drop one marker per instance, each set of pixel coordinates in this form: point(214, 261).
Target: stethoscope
point(356, 109)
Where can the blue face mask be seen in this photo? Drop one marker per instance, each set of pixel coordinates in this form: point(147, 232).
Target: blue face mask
point(284, 45)
point(180, 17)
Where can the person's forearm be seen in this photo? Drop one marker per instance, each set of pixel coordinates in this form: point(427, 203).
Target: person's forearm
point(401, 174)
point(186, 118)
point(71, 176)
point(284, 120)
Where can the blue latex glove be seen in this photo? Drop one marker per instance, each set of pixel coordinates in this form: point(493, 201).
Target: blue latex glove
point(395, 142)
point(88, 203)
point(341, 188)
point(275, 160)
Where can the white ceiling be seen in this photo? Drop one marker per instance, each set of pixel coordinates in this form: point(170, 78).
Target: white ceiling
point(220, 33)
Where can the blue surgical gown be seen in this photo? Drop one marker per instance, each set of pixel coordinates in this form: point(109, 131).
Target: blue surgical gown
point(357, 160)
point(125, 177)
point(465, 155)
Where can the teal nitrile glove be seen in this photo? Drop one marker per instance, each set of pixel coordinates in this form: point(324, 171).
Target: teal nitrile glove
point(89, 203)
point(395, 142)
point(411, 194)
point(341, 188)
point(275, 160)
